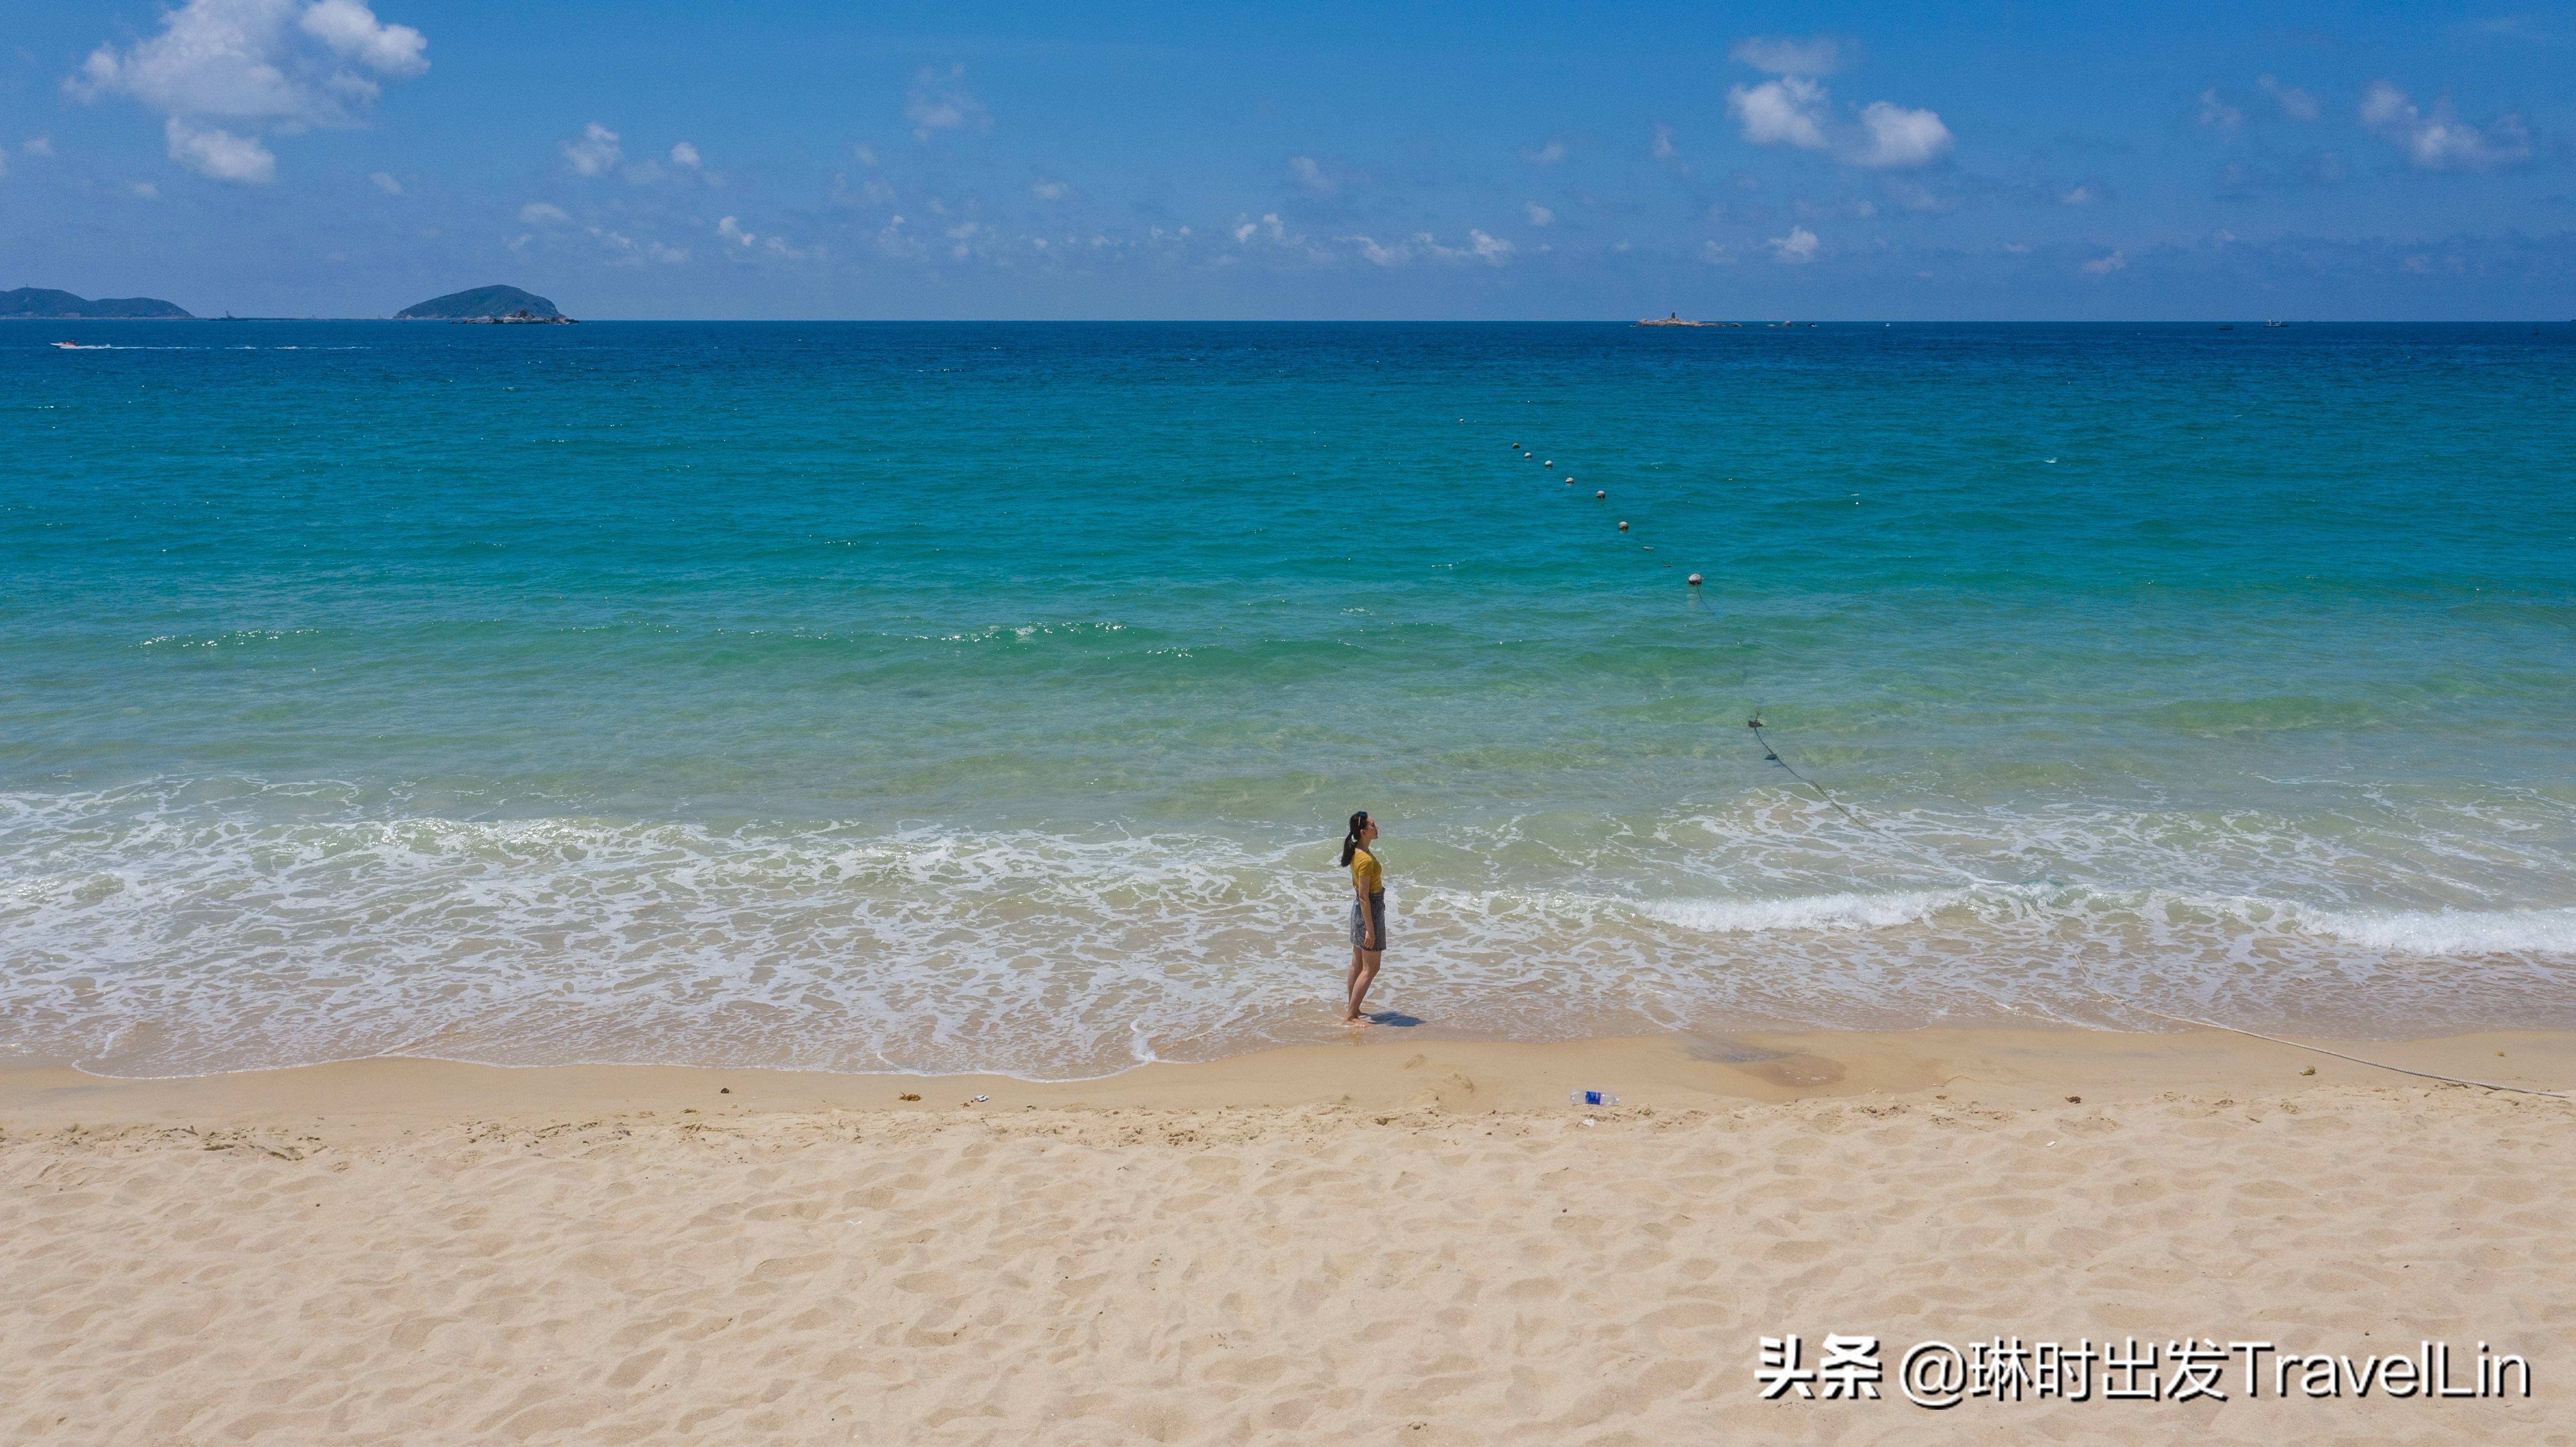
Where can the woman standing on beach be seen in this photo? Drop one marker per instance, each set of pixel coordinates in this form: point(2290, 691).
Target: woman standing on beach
point(1368, 910)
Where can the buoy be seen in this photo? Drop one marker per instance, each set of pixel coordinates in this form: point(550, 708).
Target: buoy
point(1569, 482)
point(1600, 494)
point(1694, 580)
point(1623, 527)
point(1551, 462)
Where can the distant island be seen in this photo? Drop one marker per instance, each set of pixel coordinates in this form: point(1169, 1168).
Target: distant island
point(36, 303)
point(490, 305)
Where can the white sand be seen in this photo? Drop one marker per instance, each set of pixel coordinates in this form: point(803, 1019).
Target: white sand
point(398, 1253)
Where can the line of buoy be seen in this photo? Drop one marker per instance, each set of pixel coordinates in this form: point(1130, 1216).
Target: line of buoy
point(1598, 495)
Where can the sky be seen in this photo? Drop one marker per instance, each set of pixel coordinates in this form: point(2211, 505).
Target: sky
point(1320, 160)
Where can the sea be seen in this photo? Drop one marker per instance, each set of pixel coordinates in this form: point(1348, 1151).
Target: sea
point(990, 697)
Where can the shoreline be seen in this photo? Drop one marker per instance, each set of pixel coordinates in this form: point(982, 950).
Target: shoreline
point(1381, 1069)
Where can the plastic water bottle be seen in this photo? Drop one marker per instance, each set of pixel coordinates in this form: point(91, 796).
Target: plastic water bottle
point(1590, 1097)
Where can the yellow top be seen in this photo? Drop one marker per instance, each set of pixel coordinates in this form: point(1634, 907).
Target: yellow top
point(1366, 877)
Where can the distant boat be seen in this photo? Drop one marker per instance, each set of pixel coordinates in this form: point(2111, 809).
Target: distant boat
point(2276, 324)
point(2227, 329)
point(1672, 320)
point(77, 347)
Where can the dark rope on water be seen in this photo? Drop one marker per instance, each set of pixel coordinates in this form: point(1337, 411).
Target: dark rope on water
point(1772, 755)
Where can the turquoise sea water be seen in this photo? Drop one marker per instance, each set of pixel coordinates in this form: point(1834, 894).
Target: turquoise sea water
point(984, 696)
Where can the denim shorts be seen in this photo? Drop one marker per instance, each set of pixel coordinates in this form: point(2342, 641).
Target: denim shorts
point(1362, 928)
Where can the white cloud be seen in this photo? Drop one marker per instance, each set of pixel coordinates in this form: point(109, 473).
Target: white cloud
point(2078, 196)
point(1899, 137)
point(595, 152)
point(2216, 113)
point(731, 230)
point(1488, 249)
point(2017, 248)
point(892, 240)
point(539, 213)
point(1377, 255)
point(2442, 141)
point(1047, 188)
point(942, 103)
point(1797, 248)
point(1789, 55)
point(280, 62)
point(2105, 265)
point(218, 154)
point(1662, 149)
point(1547, 155)
point(2295, 103)
point(144, 190)
point(1795, 110)
point(385, 182)
point(626, 252)
point(685, 155)
point(1788, 111)
point(352, 30)
point(38, 146)
point(867, 155)
point(1245, 229)
point(1311, 176)
point(1538, 215)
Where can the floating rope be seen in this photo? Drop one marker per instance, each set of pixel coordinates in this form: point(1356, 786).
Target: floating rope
point(2355, 1059)
point(1772, 755)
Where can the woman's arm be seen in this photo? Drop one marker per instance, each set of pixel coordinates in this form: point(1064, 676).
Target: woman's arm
point(1368, 916)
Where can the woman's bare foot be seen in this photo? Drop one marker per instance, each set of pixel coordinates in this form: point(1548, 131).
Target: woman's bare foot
point(1355, 1020)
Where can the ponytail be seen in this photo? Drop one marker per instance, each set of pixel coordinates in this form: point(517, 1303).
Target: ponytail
point(1351, 837)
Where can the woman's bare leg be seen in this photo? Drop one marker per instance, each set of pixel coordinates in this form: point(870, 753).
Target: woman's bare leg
point(1363, 974)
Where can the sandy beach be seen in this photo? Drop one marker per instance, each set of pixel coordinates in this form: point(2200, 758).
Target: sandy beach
point(1382, 1242)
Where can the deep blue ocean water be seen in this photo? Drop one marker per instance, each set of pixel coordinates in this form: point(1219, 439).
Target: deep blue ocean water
point(990, 696)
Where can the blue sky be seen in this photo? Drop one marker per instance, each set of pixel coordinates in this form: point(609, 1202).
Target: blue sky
point(335, 157)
